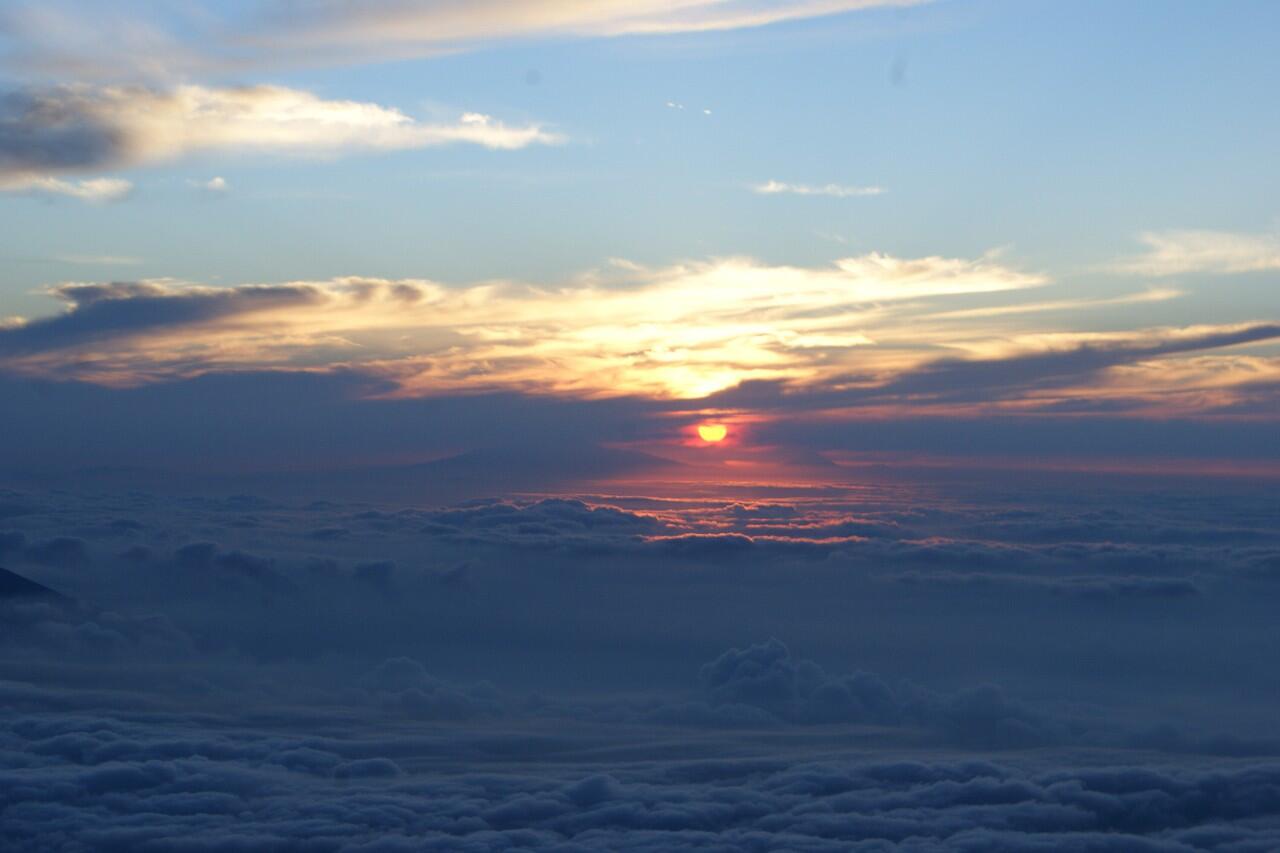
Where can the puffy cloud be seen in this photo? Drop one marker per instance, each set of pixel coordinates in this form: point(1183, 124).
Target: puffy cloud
point(97, 782)
point(767, 677)
point(333, 712)
point(76, 129)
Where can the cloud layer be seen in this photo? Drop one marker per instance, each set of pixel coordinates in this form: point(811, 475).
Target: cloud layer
point(682, 331)
point(872, 332)
point(336, 675)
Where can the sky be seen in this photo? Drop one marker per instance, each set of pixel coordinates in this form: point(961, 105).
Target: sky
point(1053, 210)
point(575, 424)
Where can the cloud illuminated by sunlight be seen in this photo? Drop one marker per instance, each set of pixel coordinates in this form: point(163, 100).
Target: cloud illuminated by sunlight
point(391, 22)
point(681, 331)
point(864, 332)
point(97, 190)
point(78, 129)
point(1183, 252)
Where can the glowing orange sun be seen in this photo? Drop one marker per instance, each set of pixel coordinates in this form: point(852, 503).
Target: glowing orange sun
point(712, 433)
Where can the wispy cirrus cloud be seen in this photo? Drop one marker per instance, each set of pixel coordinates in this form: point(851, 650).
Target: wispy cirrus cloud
point(1187, 252)
point(1162, 294)
point(78, 39)
point(831, 190)
point(398, 25)
point(45, 134)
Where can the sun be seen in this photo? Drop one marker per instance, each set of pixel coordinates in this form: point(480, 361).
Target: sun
point(712, 433)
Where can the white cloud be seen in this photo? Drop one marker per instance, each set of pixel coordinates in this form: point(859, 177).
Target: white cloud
point(216, 185)
point(89, 39)
point(391, 24)
point(97, 190)
point(833, 190)
point(1185, 252)
point(82, 128)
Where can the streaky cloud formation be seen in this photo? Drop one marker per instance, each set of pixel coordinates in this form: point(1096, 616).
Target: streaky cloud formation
point(74, 39)
point(1046, 373)
point(1161, 294)
point(78, 128)
point(863, 333)
point(684, 331)
point(444, 25)
point(1188, 252)
point(832, 190)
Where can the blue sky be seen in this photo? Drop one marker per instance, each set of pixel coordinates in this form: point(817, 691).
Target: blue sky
point(1059, 130)
point(1101, 175)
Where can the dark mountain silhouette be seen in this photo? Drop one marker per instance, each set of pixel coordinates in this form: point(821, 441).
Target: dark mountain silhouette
point(13, 585)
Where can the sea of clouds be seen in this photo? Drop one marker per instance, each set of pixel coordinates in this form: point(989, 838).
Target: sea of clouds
point(984, 664)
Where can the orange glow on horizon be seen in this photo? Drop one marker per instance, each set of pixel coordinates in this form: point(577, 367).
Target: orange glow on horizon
point(712, 433)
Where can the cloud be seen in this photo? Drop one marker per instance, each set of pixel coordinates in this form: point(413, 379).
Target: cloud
point(1202, 252)
point(102, 782)
point(74, 39)
point(76, 129)
point(96, 190)
point(863, 332)
point(970, 378)
point(1038, 370)
point(767, 677)
point(685, 330)
point(396, 27)
point(215, 185)
point(1152, 295)
point(832, 190)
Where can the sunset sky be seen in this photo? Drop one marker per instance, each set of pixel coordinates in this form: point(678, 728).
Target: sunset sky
point(629, 425)
point(801, 212)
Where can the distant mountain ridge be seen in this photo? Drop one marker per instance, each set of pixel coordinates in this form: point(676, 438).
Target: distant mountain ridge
point(14, 585)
